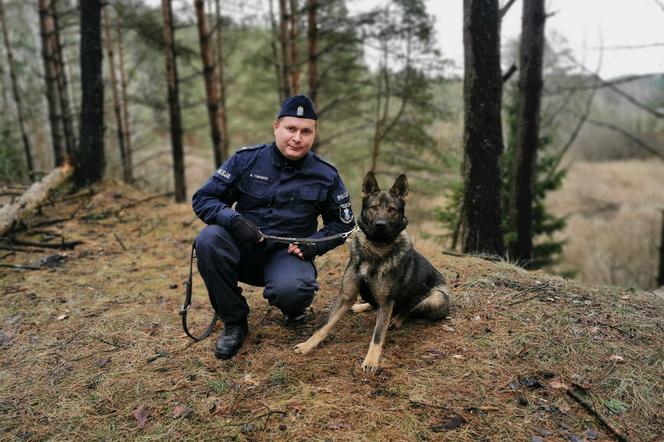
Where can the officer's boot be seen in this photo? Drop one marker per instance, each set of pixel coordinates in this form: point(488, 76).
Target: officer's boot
point(230, 340)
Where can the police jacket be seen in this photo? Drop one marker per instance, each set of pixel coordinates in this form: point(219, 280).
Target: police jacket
point(280, 196)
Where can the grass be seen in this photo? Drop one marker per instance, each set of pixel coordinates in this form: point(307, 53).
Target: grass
point(87, 344)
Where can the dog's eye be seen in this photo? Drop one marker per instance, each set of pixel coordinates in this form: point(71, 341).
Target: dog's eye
point(373, 209)
point(391, 210)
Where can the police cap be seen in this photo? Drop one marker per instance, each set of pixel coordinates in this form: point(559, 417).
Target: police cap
point(298, 106)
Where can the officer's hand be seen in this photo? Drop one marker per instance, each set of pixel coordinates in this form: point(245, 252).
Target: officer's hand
point(244, 231)
point(304, 251)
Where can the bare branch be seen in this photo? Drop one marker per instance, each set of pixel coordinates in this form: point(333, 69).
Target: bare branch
point(627, 47)
point(505, 8)
point(633, 138)
point(660, 4)
point(596, 85)
point(507, 75)
point(618, 91)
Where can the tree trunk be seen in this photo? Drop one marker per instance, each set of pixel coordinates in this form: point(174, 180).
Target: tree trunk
point(660, 274)
point(47, 29)
point(12, 214)
point(117, 108)
point(285, 49)
point(294, 33)
point(483, 139)
point(312, 59)
point(527, 131)
point(27, 148)
point(276, 36)
point(63, 87)
point(211, 83)
point(89, 157)
point(125, 105)
point(174, 103)
point(223, 114)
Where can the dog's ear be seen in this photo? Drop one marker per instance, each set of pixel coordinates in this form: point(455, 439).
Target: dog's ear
point(370, 185)
point(400, 187)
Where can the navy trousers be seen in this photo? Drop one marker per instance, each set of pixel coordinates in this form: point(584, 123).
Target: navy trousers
point(290, 282)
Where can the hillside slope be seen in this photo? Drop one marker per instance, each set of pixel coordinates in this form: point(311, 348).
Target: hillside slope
point(92, 348)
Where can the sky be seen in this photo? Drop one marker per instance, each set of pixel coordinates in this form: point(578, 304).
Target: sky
point(584, 23)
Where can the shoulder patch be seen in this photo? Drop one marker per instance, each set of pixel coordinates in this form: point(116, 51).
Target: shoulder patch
point(224, 174)
point(346, 213)
point(341, 196)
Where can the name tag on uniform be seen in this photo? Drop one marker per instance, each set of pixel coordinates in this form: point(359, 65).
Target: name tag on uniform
point(259, 177)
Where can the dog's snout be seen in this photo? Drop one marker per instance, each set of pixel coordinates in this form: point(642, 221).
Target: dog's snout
point(380, 223)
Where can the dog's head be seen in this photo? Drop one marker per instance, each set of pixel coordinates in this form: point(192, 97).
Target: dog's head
point(383, 212)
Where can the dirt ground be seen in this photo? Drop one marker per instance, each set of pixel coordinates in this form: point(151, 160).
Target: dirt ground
point(92, 347)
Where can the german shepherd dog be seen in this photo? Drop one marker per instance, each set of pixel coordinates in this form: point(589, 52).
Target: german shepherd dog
point(386, 271)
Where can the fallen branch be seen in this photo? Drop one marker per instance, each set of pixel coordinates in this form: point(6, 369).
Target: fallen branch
point(20, 249)
point(12, 214)
point(601, 419)
point(49, 245)
point(117, 238)
point(21, 267)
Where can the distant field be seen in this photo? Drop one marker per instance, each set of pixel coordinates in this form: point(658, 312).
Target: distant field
point(615, 216)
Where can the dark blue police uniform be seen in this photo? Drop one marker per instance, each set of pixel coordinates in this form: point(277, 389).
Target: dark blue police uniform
point(281, 197)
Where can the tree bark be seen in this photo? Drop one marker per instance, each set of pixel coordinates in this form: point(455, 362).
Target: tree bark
point(223, 114)
point(286, 59)
point(89, 158)
point(63, 86)
point(527, 131)
point(660, 274)
point(125, 104)
point(27, 148)
point(211, 83)
point(47, 29)
point(294, 34)
point(276, 37)
point(483, 139)
point(117, 109)
point(312, 38)
point(174, 103)
point(12, 214)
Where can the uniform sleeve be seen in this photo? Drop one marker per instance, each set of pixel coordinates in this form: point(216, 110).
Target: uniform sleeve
point(337, 216)
point(212, 202)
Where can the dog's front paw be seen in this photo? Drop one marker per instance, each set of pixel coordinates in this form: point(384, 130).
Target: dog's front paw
point(360, 308)
point(303, 348)
point(370, 365)
point(397, 322)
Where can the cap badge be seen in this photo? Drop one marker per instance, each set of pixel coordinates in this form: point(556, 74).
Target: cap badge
point(300, 111)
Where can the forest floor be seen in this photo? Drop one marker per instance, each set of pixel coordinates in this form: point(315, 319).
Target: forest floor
point(91, 347)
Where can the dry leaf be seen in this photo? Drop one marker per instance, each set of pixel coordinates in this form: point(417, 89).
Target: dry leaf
point(338, 426)
point(616, 358)
point(248, 381)
point(558, 385)
point(448, 328)
point(459, 357)
point(181, 411)
point(141, 414)
point(295, 405)
point(61, 317)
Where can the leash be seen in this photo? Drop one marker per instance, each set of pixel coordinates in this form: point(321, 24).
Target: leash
point(309, 241)
point(188, 283)
point(187, 302)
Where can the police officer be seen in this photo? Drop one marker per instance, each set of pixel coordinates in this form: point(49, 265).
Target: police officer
point(279, 189)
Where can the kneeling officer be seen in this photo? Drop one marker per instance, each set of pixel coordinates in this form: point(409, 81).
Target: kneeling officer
point(279, 189)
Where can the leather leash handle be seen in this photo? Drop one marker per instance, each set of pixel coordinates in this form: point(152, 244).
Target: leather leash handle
point(187, 302)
